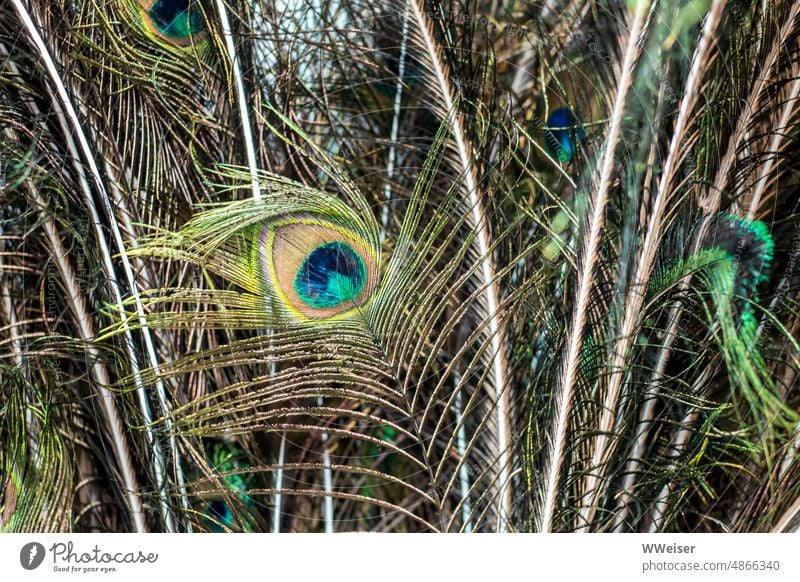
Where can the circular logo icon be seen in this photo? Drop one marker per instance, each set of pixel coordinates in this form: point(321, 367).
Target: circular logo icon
point(31, 555)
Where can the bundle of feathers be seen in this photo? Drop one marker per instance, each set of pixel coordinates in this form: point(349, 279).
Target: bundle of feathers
point(399, 266)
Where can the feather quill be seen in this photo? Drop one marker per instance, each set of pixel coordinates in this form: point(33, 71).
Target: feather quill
point(549, 492)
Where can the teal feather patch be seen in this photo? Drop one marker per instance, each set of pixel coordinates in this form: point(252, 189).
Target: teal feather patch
point(218, 515)
point(317, 269)
point(563, 135)
point(176, 21)
point(749, 245)
point(332, 274)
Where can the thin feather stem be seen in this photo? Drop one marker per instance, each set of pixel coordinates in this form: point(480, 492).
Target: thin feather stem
point(241, 98)
point(779, 136)
point(277, 496)
point(463, 470)
point(327, 481)
point(491, 293)
point(604, 444)
point(789, 522)
point(99, 373)
point(564, 395)
point(398, 99)
point(750, 109)
point(71, 114)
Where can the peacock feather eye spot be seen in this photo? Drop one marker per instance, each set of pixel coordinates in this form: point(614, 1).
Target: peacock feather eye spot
point(563, 135)
point(332, 274)
point(318, 270)
point(175, 21)
point(218, 509)
point(218, 514)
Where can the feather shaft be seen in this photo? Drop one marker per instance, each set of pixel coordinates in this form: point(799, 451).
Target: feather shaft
point(604, 444)
point(398, 100)
point(240, 97)
point(71, 114)
point(780, 136)
point(277, 496)
point(568, 378)
point(711, 202)
point(98, 371)
point(491, 293)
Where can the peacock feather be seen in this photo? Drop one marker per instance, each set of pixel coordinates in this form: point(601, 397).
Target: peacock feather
point(563, 135)
point(399, 266)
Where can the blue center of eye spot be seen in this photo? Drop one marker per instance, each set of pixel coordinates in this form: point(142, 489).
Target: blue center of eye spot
point(218, 512)
point(563, 142)
point(330, 275)
point(177, 18)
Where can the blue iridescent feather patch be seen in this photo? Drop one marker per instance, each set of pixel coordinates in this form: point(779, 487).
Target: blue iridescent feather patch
point(333, 273)
point(563, 135)
point(218, 514)
point(177, 19)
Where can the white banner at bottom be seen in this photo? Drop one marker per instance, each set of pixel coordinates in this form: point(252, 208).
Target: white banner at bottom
point(399, 557)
